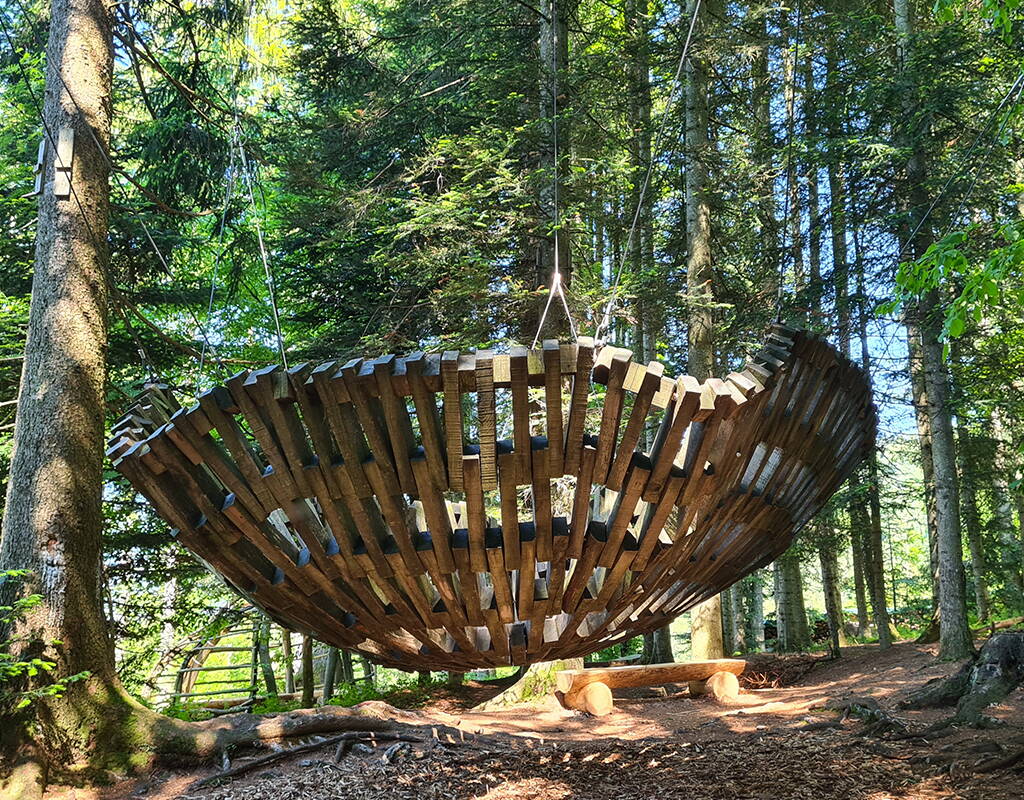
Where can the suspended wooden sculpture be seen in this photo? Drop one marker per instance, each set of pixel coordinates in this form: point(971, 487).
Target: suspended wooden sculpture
point(384, 507)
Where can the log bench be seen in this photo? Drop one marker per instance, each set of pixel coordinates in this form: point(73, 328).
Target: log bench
point(590, 689)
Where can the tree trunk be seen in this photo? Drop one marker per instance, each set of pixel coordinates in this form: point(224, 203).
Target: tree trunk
point(348, 674)
point(53, 517)
point(814, 283)
point(706, 630)
point(553, 53)
point(658, 646)
point(706, 619)
point(954, 635)
point(730, 633)
point(330, 675)
point(263, 651)
point(1002, 509)
point(456, 678)
point(924, 438)
point(308, 679)
point(790, 612)
point(829, 561)
point(754, 612)
point(536, 683)
point(972, 522)
point(859, 590)
point(289, 666)
point(875, 561)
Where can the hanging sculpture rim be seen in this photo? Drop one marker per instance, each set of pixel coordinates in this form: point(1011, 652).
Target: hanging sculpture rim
point(375, 505)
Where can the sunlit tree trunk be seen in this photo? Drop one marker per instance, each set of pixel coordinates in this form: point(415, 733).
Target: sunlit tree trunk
point(954, 635)
point(706, 619)
point(53, 518)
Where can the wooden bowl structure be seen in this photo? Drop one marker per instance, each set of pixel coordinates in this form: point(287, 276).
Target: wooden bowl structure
point(469, 510)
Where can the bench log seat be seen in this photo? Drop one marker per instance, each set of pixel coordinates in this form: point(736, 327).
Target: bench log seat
point(590, 689)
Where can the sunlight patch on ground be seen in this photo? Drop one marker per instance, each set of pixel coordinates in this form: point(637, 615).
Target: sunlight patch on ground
point(529, 789)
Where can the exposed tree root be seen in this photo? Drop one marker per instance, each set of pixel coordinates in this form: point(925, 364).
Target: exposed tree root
point(27, 778)
point(141, 738)
point(262, 761)
point(996, 671)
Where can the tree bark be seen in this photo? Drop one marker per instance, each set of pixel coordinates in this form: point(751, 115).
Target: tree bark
point(348, 675)
point(706, 619)
point(553, 53)
point(924, 438)
point(289, 665)
point(730, 633)
point(658, 646)
point(263, 650)
point(330, 675)
point(875, 561)
point(972, 526)
point(308, 678)
point(53, 519)
point(706, 630)
point(790, 612)
point(859, 588)
point(753, 602)
point(829, 561)
point(1002, 509)
point(954, 635)
point(537, 682)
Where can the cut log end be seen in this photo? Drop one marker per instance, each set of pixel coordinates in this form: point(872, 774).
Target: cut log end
point(723, 686)
point(594, 698)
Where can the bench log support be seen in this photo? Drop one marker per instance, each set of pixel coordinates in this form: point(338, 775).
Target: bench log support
point(590, 689)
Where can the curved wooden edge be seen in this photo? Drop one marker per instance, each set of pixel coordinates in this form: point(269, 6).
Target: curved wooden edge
point(572, 680)
point(226, 470)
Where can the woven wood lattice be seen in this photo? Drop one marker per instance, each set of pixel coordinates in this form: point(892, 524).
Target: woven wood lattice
point(466, 510)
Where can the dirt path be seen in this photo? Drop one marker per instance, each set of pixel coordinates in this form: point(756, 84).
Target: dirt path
point(657, 747)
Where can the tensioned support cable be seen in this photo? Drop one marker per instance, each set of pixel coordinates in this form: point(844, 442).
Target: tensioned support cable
point(228, 191)
point(557, 285)
point(605, 322)
point(247, 181)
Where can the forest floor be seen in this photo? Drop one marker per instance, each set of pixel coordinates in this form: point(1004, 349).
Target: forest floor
point(652, 747)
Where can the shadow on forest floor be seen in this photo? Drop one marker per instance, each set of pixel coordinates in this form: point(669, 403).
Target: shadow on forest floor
point(661, 747)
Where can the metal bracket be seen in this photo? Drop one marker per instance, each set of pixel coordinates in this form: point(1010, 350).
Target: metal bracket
point(63, 162)
point(37, 170)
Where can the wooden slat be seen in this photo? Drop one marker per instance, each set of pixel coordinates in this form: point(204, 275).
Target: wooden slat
point(614, 363)
point(487, 417)
point(553, 406)
point(452, 417)
point(519, 371)
point(578, 404)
